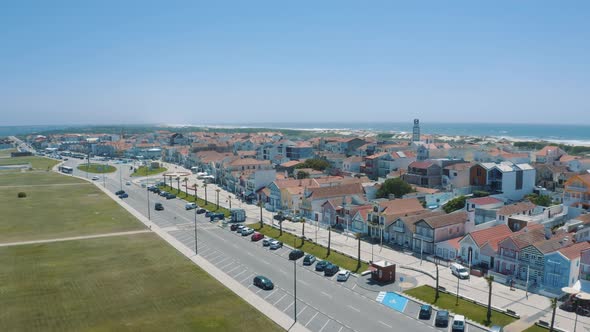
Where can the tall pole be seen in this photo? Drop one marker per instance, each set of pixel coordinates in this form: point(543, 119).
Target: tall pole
point(554, 306)
point(527, 282)
point(196, 250)
point(120, 179)
point(261, 223)
point(576, 311)
point(457, 301)
point(295, 290)
point(229, 197)
point(147, 186)
point(217, 190)
point(205, 186)
point(196, 185)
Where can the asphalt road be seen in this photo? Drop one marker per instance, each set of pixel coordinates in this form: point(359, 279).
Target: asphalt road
point(323, 304)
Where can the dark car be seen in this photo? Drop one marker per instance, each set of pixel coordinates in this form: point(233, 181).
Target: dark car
point(234, 227)
point(263, 282)
point(278, 217)
point(331, 269)
point(295, 254)
point(159, 207)
point(425, 312)
point(321, 265)
point(208, 213)
point(163, 193)
point(156, 190)
point(119, 192)
point(216, 216)
point(308, 259)
point(170, 196)
point(442, 319)
point(123, 195)
point(201, 211)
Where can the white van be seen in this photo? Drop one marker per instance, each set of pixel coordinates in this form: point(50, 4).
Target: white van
point(459, 271)
point(458, 324)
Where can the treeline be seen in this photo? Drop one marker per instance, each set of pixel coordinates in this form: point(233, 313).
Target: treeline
point(570, 149)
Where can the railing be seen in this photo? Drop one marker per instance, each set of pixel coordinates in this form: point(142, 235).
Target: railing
point(423, 237)
point(398, 229)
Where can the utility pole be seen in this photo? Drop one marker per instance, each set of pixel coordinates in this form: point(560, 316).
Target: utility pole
point(147, 186)
point(457, 301)
point(217, 190)
point(295, 290)
point(261, 222)
point(196, 249)
point(527, 281)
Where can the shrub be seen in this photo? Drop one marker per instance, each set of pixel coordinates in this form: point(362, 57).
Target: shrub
point(22, 195)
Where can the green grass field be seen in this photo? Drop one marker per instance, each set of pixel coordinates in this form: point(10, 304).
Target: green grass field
point(126, 283)
point(6, 152)
point(470, 310)
point(70, 209)
point(211, 199)
point(309, 247)
point(145, 171)
point(97, 168)
point(536, 328)
point(39, 163)
point(35, 178)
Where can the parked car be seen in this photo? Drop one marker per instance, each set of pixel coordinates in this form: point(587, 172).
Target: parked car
point(159, 207)
point(170, 196)
point(459, 271)
point(247, 231)
point(208, 213)
point(343, 275)
point(163, 193)
point(295, 254)
point(241, 228)
point(458, 323)
point(190, 206)
point(496, 328)
point(216, 216)
point(94, 178)
point(123, 195)
point(234, 227)
point(257, 236)
point(321, 265)
point(119, 192)
point(425, 312)
point(263, 282)
point(128, 183)
point(308, 259)
point(278, 217)
point(266, 241)
point(331, 269)
point(156, 190)
point(201, 211)
point(276, 245)
point(442, 318)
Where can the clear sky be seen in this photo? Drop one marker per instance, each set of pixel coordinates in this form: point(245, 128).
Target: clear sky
point(101, 61)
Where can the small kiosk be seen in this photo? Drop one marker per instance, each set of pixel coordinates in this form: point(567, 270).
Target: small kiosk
point(383, 272)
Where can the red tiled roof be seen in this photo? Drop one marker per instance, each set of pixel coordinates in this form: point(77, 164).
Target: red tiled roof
point(573, 252)
point(519, 207)
point(497, 233)
point(484, 200)
point(421, 164)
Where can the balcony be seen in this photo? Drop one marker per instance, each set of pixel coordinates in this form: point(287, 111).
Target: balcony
point(426, 238)
point(398, 229)
point(509, 258)
point(577, 188)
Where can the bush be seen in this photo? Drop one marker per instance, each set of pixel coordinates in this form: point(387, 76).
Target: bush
point(22, 195)
point(395, 186)
point(455, 204)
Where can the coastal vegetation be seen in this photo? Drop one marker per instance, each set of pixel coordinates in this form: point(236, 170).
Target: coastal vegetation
point(570, 149)
point(97, 168)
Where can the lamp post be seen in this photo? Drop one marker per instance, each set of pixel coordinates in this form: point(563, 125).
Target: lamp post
point(196, 248)
point(217, 190)
point(457, 300)
point(295, 290)
point(261, 222)
point(195, 186)
point(229, 198)
point(205, 186)
point(147, 191)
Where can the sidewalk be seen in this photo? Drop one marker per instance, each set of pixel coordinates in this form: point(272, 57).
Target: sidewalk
point(531, 308)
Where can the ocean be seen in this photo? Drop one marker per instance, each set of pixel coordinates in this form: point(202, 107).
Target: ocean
point(568, 134)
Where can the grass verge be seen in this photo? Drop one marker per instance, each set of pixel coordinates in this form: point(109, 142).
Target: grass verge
point(315, 249)
point(536, 328)
point(475, 312)
point(122, 283)
point(209, 206)
point(146, 171)
point(97, 168)
point(36, 178)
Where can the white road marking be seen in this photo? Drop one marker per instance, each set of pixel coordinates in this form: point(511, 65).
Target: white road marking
point(266, 297)
point(226, 265)
point(279, 300)
point(226, 258)
point(341, 327)
point(302, 310)
point(289, 306)
point(324, 325)
point(353, 308)
point(232, 270)
point(311, 319)
point(326, 294)
point(353, 287)
point(303, 282)
point(389, 326)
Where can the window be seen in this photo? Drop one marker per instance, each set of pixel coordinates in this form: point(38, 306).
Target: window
point(518, 180)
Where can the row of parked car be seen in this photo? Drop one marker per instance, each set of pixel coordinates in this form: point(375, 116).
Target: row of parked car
point(442, 318)
point(121, 194)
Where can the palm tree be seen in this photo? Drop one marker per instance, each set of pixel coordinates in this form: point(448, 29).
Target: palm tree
point(205, 186)
point(490, 280)
point(185, 180)
point(554, 306)
point(261, 221)
point(436, 294)
point(302, 231)
point(195, 186)
point(329, 238)
point(178, 181)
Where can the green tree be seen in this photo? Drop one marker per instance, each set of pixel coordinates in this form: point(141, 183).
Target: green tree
point(315, 163)
point(455, 204)
point(542, 200)
point(302, 175)
point(395, 186)
point(490, 280)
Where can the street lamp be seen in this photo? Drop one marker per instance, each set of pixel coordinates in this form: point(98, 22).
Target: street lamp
point(229, 199)
point(295, 290)
point(218, 190)
point(196, 250)
point(205, 186)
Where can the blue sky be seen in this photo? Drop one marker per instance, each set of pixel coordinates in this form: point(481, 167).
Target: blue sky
point(85, 62)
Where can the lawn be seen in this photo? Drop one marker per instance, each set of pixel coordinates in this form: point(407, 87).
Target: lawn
point(211, 199)
point(71, 208)
point(124, 283)
point(35, 178)
point(145, 171)
point(475, 312)
point(97, 168)
point(536, 328)
point(6, 152)
point(36, 162)
point(310, 247)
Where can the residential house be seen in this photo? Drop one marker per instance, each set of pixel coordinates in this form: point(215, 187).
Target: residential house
point(552, 177)
point(456, 175)
point(432, 230)
point(424, 174)
point(480, 247)
point(360, 220)
point(509, 249)
point(314, 198)
point(549, 154)
point(506, 212)
point(483, 209)
point(562, 267)
point(447, 250)
point(584, 265)
point(401, 231)
point(576, 191)
point(532, 258)
point(299, 151)
point(352, 164)
point(512, 181)
point(386, 212)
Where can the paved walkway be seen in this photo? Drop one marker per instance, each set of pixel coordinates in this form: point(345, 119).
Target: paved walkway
point(264, 307)
point(73, 238)
point(531, 308)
